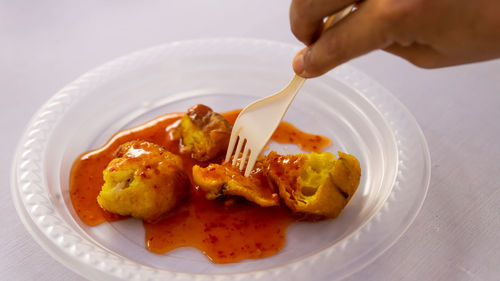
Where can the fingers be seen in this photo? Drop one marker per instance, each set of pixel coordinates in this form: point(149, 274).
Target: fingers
point(427, 57)
point(419, 55)
point(306, 17)
point(357, 34)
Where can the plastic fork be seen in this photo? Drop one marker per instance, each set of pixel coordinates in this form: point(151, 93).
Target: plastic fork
point(257, 122)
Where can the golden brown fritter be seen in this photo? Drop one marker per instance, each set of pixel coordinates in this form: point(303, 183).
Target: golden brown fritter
point(225, 179)
point(315, 185)
point(143, 180)
point(202, 133)
point(312, 185)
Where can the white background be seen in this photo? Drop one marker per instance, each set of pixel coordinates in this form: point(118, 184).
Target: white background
point(44, 45)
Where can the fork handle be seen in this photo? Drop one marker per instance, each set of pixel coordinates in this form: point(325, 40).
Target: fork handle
point(294, 85)
point(333, 19)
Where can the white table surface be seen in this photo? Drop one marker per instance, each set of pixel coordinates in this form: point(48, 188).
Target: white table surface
point(44, 45)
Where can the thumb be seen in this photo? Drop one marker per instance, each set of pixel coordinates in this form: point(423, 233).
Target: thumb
point(357, 34)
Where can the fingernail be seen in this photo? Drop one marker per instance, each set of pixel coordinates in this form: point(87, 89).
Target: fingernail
point(298, 63)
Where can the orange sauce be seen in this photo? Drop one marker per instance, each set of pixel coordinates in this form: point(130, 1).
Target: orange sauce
point(287, 133)
point(224, 232)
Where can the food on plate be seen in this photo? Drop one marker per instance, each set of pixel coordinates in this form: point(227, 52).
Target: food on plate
point(169, 173)
point(312, 185)
point(221, 180)
point(202, 133)
point(144, 181)
point(315, 185)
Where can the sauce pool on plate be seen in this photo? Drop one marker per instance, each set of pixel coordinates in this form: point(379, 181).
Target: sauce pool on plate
point(225, 231)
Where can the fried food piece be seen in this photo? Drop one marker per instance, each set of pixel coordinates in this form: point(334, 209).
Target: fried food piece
point(315, 185)
point(224, 179)
point(203, 134)
point(143, 180)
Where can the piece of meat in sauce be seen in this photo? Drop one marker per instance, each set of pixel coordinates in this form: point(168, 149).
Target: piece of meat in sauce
point(202, 133)
point(222, 180)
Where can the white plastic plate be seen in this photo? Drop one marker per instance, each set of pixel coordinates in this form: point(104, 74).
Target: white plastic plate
point(356, 113)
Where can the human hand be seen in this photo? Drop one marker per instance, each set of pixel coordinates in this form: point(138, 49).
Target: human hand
point(428, 33)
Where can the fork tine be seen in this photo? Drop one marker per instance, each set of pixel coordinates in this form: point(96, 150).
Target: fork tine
point(244, 157)
point(251, 163)
point(241, 140)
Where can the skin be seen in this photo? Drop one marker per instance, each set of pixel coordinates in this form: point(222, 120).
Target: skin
point(427, 33)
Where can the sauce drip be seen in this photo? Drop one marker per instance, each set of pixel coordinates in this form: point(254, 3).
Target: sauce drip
point(288, 133)
point(225, 231)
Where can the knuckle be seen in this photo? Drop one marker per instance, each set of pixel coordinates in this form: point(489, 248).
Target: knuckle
point(396, 19)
